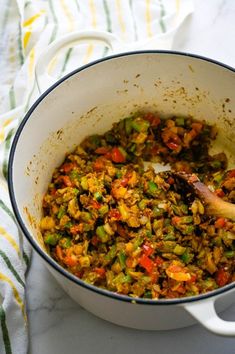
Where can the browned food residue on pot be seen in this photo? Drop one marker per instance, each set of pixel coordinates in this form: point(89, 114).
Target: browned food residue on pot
point(31, 219)
point(59, 134)
point(191, 68)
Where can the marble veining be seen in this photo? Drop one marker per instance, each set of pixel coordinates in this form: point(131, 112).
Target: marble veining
point(57, 325)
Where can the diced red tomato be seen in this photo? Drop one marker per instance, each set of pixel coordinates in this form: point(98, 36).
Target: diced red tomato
point(173, 146)
point(170, 180)
point(100, 271)
point(197, 126)
point(220, 223)
point(67, 181)
point(231, 173)
point(154, 276)
point(222, 277)
point(120, 230)
point(95, 240)
point(124, 182)
point(117, 155)
point(153, 120)
point(75, 229)
point(158, 261)
point(193, 278)
point(102, 150)
point(70, 261)
point(53, 191)
point(175, 220)
point(59, 253)
point(146, 263)
point(115, 214)
point(95, 204)
point(99, 164)
point(220, 193)
point(67, 167)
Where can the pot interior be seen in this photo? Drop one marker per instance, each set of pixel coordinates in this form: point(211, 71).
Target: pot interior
point(91, 99)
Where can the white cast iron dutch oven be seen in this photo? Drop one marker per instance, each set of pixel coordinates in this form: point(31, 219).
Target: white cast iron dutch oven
point(88, 101)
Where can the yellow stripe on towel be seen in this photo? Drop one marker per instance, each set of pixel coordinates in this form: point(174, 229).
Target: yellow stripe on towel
point(31, 63)
point(32, 19)
point(93, 13)
point(10, 239)
point(120, 18)
point(68, 15)
point(26, 38)
point(16, 294)
point(148, 18)
point(89, 53)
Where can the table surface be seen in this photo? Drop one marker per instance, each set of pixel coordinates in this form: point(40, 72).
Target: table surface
point(56, 323)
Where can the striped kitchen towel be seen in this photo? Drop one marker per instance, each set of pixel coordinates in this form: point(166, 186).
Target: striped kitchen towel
point(26, 28)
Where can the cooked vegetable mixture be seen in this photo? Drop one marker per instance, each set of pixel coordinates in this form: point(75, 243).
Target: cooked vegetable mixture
point(123, 227)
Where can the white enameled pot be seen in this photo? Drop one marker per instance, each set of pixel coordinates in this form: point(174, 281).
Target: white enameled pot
point(88, 101)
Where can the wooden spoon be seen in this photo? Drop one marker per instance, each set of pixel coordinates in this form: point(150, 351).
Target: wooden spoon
point(214, 205)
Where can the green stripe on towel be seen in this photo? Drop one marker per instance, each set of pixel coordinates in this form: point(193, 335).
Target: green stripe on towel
point(5, 334)
point(55, 29)
point(162, 14)
point(6, 152)
point(108, 18)
point(7, 210)
point(11, 268)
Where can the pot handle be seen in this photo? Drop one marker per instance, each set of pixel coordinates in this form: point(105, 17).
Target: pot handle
point(44, 80)
point(204, 312)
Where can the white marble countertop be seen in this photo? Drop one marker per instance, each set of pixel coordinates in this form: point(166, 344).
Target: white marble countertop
point(57, 324)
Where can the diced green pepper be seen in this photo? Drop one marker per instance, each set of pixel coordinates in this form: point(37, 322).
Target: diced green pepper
point(169, 237)
point(148, 294)
point(61, 212)
point(111, 253)
point(85, 216)
point(142, 204)
point(52, 239)
point(216, 164)
point(189, 230)
point(138, 242)
point(74, 175)
point(103, 210)
point(68, 225)
point(98, 196)
point(65, 242)
point(118, 174)
point(184, 209)
point(140, 125)
point(95, 140)
point(180, 121)
point(122, 259)
point(102, 235)
point(186, 220)
point(218, 177)
point(179, 250)
point(158, 212)
point(128, 125)
point(149, 234)
point(132, 148)
point(186, 257)
point(229, 254)
point(152, 188)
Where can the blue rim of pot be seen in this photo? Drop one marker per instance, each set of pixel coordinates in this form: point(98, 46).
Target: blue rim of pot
point(30, 238)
